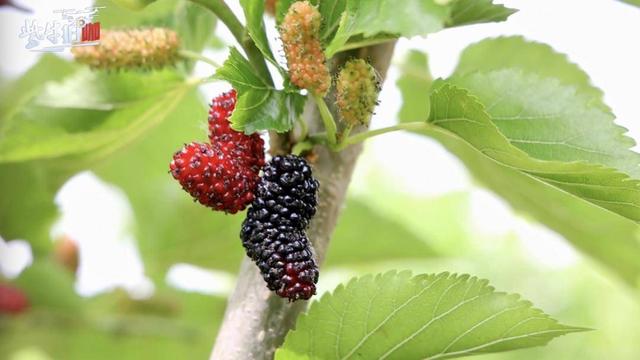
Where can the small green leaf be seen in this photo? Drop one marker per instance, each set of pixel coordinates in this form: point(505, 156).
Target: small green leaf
point(253, 11)
point(550, 121)
point(415, 78)
point(372, 18)
point(259, 107)
point(400, 316)
point(529, 56)
point(466, 12)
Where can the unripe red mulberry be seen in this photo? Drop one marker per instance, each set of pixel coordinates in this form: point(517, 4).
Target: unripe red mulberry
point(249, 148)
point(273, 232)
point(357, 91)
point(12, 300)
point(214, 178)
point(151, 48)
point(300, 31)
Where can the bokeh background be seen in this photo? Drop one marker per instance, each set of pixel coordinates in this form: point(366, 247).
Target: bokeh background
point(155, 269)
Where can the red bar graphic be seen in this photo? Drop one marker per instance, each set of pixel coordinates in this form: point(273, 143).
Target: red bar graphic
point(91, 32)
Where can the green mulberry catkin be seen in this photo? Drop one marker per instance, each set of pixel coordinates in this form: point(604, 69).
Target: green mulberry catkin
point(357, 91)
point(300, 33)
point(151, 48)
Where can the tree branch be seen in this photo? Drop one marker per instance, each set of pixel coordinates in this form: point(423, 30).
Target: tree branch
point(256, 320)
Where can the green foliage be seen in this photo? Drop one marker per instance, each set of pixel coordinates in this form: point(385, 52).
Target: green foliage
point(397, 315)
point(414, 79)
point(632, 2)
point(466, 12)
point(253, 11)
point(528, 56)
point(544, 119)
point(259, 106)
point(372, 18)
point(461, 121)
point(133, 4)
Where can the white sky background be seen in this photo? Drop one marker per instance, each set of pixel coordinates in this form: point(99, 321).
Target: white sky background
point(599, 35)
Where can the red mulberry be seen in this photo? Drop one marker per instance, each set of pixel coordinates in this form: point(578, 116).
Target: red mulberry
point(213, 177)
point(12, 300)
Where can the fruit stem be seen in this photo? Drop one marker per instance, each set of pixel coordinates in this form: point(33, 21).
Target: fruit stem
point(358, 138)
point(327, 119)
point(239, 32)
point(192, 55)
point(304, 128)
point(301, 147)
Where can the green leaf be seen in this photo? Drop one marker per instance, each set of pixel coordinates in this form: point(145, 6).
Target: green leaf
point(529, 56)
point(632, 2)
point(259, 107)
point(400, 316)
point(466, 12)
point(385, 238)
point(65, 134)
point(195, 26)
point(98, 90)
point(594, 207)
point(415, 78)
point(374, 18)
point(253, 12)
point(550, 121)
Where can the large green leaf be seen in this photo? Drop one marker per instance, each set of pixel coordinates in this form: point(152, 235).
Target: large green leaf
point(47, 133)
point(260, 106)
point(529, 56)
point(466, 12)
point(399, 316)
point(550, 121)
point(415, 78)
point(369, 19)
point(592, 206)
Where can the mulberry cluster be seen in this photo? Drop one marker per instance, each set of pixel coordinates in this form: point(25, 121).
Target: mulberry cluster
point(151, 48)
point(357, 91)
point(300, 31)
point(273, 232)
point(224, 174)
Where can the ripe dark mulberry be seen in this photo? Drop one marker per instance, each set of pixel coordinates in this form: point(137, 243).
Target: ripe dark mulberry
point(214, 178)
point(247, 148)
point(273, 232)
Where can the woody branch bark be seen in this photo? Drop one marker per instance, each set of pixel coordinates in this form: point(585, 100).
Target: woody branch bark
point(256, 320)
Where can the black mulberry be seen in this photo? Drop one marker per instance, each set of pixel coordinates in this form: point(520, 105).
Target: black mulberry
point(273, 232)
